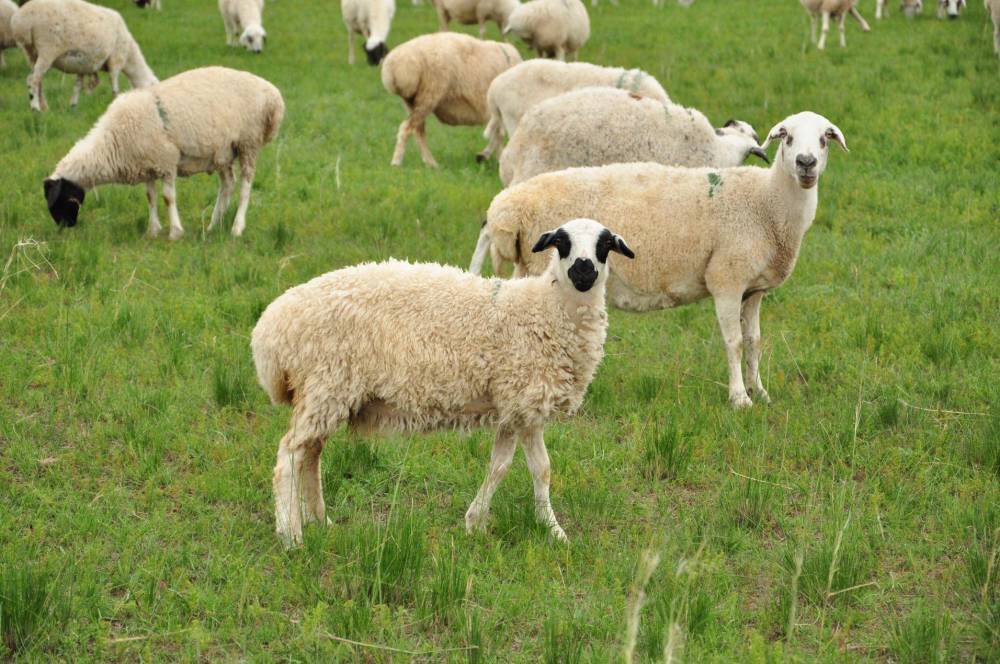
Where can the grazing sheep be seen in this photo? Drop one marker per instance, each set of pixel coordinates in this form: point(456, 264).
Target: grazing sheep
point(993, 6)
point(403, 347)
point(244, 25)
point(910, 8)
point(446, 74)
point(152, 4)
point(199, 121)
point(517, 90)
point(552, 28)
point(78, 38)
point(7, 9)
point(838, 9)
point(598, 126)
point(950, 8)
point(731, 233)
point(468, 12)
point(371, 19)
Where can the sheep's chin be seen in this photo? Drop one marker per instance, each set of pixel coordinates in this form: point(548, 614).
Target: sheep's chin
point(808, 181)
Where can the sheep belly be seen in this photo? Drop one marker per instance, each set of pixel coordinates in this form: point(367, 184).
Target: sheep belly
point(78, 61)
point(380, 416)
point(623, 296)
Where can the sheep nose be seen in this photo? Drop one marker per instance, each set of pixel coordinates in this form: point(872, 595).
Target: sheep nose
point(805, 161)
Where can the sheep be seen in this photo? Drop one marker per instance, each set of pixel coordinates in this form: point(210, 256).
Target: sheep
point(514, 92)
point(446, 74)
point(950, 8)
point(468, 12)
point(993, 6)
point(7, 9)
point(198, 121)
point(400, 347)
point(152, 4)
point(836, 8)
point(552, 28)
point(78, 38)
point(243, 22)
point(731, 233)
point(598, 126)
point(371, 19)
point(910, 8)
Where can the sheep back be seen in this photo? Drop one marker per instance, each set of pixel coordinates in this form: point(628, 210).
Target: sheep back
point(7, 9)
point(81, 36)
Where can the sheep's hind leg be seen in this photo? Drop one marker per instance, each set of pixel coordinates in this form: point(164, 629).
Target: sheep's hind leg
point(503, 453)
point(296, 486)
point(76, 90)
point(401, 137)
point(35, 93)
point(154, 216)
point(425, 150)
point(840, 28)
point(248, 166)
point(727, 310)
point(170, 198)
point(226, 184)
point(750, 321)
point(314, 509)
point(861, 20)
point(825, 28)
point(533, 442)
point(350, 46)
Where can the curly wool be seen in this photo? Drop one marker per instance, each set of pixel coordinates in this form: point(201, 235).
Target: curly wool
point(552, 28)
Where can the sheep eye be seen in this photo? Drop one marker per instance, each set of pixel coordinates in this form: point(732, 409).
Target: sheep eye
point(789, 141)
point(822, 141)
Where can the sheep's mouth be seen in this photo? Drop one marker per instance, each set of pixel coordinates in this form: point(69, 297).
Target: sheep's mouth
point(807, 181)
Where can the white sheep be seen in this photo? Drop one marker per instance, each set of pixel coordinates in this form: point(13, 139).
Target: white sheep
point(731, 233)
point(244, 23)
point(468, 12)
point(950, 8)
point(152, 4)
point(910, 8)
point(7, 9)
point(993, 6)
point(199, 121)
point(400, 347)
point(447, 74)
point(598, 126)
point(371, 19)
point(78, 38)
point(838, 9)
point(552, 28)
point(514, 92)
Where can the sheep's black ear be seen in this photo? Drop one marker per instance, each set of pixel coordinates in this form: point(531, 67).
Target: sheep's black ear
point(622, 248)
point(730, 123)
point(758, 152)
point(52, 188)
point(544, 242)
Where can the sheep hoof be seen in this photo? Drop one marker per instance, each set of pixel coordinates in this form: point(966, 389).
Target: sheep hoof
point(480, 158)
point(739, 401)
point(474, 522)
point(175, 234)
point(153, 232)
point(558, 534)
point(760, 394)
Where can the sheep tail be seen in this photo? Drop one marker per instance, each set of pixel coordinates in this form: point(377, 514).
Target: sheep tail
point(272, 120)
point(270, 373)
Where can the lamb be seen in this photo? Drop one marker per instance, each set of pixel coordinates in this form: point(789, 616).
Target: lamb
point(468, 12)
point(371, 19)
point(598, 126)
point(198, 121)
point(446, 74)
point(78, 38)
point(516, 91)
point(7, 9)
point(244, 25)
point(993, 6)
point(552, 28)
point(731, 233)
point(950, 8)
point(910, 8)
point(836, 8)
point(400, 347)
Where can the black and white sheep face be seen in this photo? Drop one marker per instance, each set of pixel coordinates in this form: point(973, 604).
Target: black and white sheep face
point(375, 53)
point(64, 199)
point(583, 246)
point(253, 38)
point(804, 141)
point(950, 8)
point(743, 132)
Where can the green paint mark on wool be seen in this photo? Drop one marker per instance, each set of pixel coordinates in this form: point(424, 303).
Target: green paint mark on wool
point(621, 80)
point(162, 112)
point(714, 182)
point(636, 79)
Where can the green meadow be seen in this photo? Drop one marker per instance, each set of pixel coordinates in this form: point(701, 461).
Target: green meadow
point(856, 518)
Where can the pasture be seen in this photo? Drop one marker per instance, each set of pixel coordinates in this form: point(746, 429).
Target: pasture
point(855, 518)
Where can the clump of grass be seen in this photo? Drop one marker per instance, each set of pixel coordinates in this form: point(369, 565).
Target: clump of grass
point(667, 451)
point(30, 602)
point(982, 563)
point(836, 568)
point(647, 387)
point(681, 609)
point(231, 386)
point(922, 636)
point(474, 638)
point(448, 584)
point(984, 450)
point(281, 235)
point(748, 503)
point(563, 642)
point(391, 559)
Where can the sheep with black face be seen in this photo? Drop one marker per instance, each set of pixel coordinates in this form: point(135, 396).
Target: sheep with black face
point(401, 347)
point(729, 233)
point(371, 19)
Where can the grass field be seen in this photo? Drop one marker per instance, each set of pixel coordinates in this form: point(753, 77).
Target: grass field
point(855, 518)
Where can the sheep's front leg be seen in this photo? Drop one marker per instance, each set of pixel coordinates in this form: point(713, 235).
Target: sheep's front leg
point(812, 28)
point(727, 310)
point(860, 19)
point(823, 30)
point(840, 28)
point(503, 453)
point(76, 91)
point(350, 46)
point(248, 166)
point(750, 321)
point(538, 463)
point(35, 93)
point(170, 198)
point(226, 184)
point(879, 8)
point(114, 73)
point(154, 216)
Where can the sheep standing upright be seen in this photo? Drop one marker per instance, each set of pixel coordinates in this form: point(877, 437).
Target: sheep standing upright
point(7, 9)
point(78, 38)
point(838, 9)
point(910, 8)
point(446, 74)
point(199, 121)
point(244, 23)
point(950, 8)
point(731, 233)
point(468, 12)
point(371, 19)
point(598, 126)
point(552, 28)
point(400, 347)
point(993, 6)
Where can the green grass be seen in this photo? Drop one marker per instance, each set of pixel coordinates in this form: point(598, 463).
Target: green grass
point(136, 450)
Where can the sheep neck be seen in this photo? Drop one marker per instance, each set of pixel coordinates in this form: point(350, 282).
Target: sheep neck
point(798, 204)
point(91, 161)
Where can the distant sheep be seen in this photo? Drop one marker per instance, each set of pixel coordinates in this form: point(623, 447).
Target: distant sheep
point(598, 126)
point(78, 38)
point(468, 12)
point(7, 9)
point(552, 28)
point(838, 9)
point(950, 8)
point(514, 92)
point(371, 19)
point(244, 23)
point(199, 121)
point(400, 347)
point(152, 4)
point(993, 6)
point(731, 233)
point(910, 8)
point(447, 74)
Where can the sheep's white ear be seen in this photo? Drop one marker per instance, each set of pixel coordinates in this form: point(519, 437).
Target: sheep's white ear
point(834, 134)
point(777, 133)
